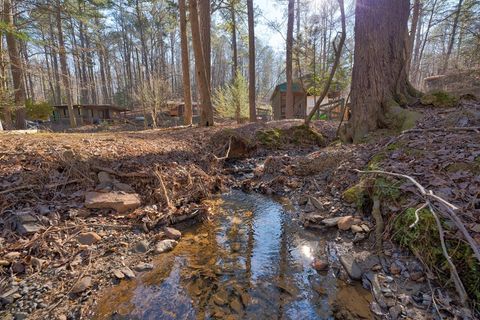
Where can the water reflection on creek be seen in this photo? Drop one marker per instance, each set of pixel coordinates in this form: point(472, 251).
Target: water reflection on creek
point(252, 261)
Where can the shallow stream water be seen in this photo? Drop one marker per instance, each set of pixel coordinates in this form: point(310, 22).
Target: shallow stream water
point(251, 261)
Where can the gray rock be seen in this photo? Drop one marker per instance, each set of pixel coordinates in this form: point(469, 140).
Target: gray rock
point(143, 267)
point(141, 246)
point(128, 272)
point(375, 308)
point(20, 315)
point(82, 285)
point(165, 245)
point(104, 177)
point(352, 267)
point(172, 233)
point(395, 312)
point(26, 224)
point(331, 222)
point(315, 202)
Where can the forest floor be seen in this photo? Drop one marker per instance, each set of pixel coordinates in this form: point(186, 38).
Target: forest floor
point(80, 211)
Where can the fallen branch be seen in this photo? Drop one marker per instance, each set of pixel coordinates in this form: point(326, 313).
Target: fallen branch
point(429, 194)
point(228, 151)
point(453, 270)
point(163, 189)
point(416, 215)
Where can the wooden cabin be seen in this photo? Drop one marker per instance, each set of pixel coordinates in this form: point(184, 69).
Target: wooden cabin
point(86, 113)
point(177, 108)
point(279, 101)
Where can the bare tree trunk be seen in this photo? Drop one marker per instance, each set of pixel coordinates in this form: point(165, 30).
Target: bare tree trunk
point(413, 31)
point(206, 116)
point(187, 93)
point(427, 32)
point(379, 80)
point(418, 41)
point(452, 37)
point(205, 27)
point(64, 66)
point(289, 107)
point(15, 66)
point(234, 41)
point(7, 112)
point(251, 62)
point(338, 55)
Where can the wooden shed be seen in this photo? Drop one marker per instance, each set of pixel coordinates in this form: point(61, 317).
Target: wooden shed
point(86, 113)
point(279, 99)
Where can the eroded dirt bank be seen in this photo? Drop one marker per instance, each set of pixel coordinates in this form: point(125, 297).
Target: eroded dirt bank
point(81, 211)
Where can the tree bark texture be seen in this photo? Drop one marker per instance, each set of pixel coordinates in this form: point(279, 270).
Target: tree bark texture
point(251, 62)
point(379, 79)
point(289, 112)
point(206, 113)
point(452, 37)
point(64, 67)
point(187, 94)
point(16, 67)
point(204, 8)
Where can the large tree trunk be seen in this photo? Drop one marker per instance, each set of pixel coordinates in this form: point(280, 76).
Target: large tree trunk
point(251, 62)
point(206, 115)
point(379, 80)
point(289, 108)
point(187, 94)
point(64, 66)
point(205, 27)
point(16, 67)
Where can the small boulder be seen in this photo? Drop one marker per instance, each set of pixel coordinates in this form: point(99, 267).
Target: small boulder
point(356, 229)
point(88, 238)
point(141, 267)
point(118, 274)
point(395, 268)
point(82, 285)
point(351, 266)
point(331, 222)
point(121, 202)
point(141, 247)
point(345, 223)
point(319, 265)
point(128, 272)
point(104, 177)
point(165, 245)
point(172, 233)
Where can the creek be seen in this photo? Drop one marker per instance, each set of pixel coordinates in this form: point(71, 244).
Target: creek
point(251, 260)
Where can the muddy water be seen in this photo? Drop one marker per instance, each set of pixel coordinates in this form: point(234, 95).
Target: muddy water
point(252, 261)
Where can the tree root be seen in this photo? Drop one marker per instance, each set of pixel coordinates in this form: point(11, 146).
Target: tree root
point(429, 195)
point(379, 225)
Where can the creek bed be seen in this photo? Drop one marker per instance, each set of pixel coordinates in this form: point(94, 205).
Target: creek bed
point(252, 260)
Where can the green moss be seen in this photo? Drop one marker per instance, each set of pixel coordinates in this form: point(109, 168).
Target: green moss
point(387, 188)
point(356, 194)
point(463, 166)
point(270, 137)
point(374, 163)
point(439, 99)
point(297, 135)
point(423, 239)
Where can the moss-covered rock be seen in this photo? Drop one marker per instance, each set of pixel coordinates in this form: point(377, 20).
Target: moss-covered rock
point(355, 194)
point(439, 99)
point(423, 240)
point(297, 135)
